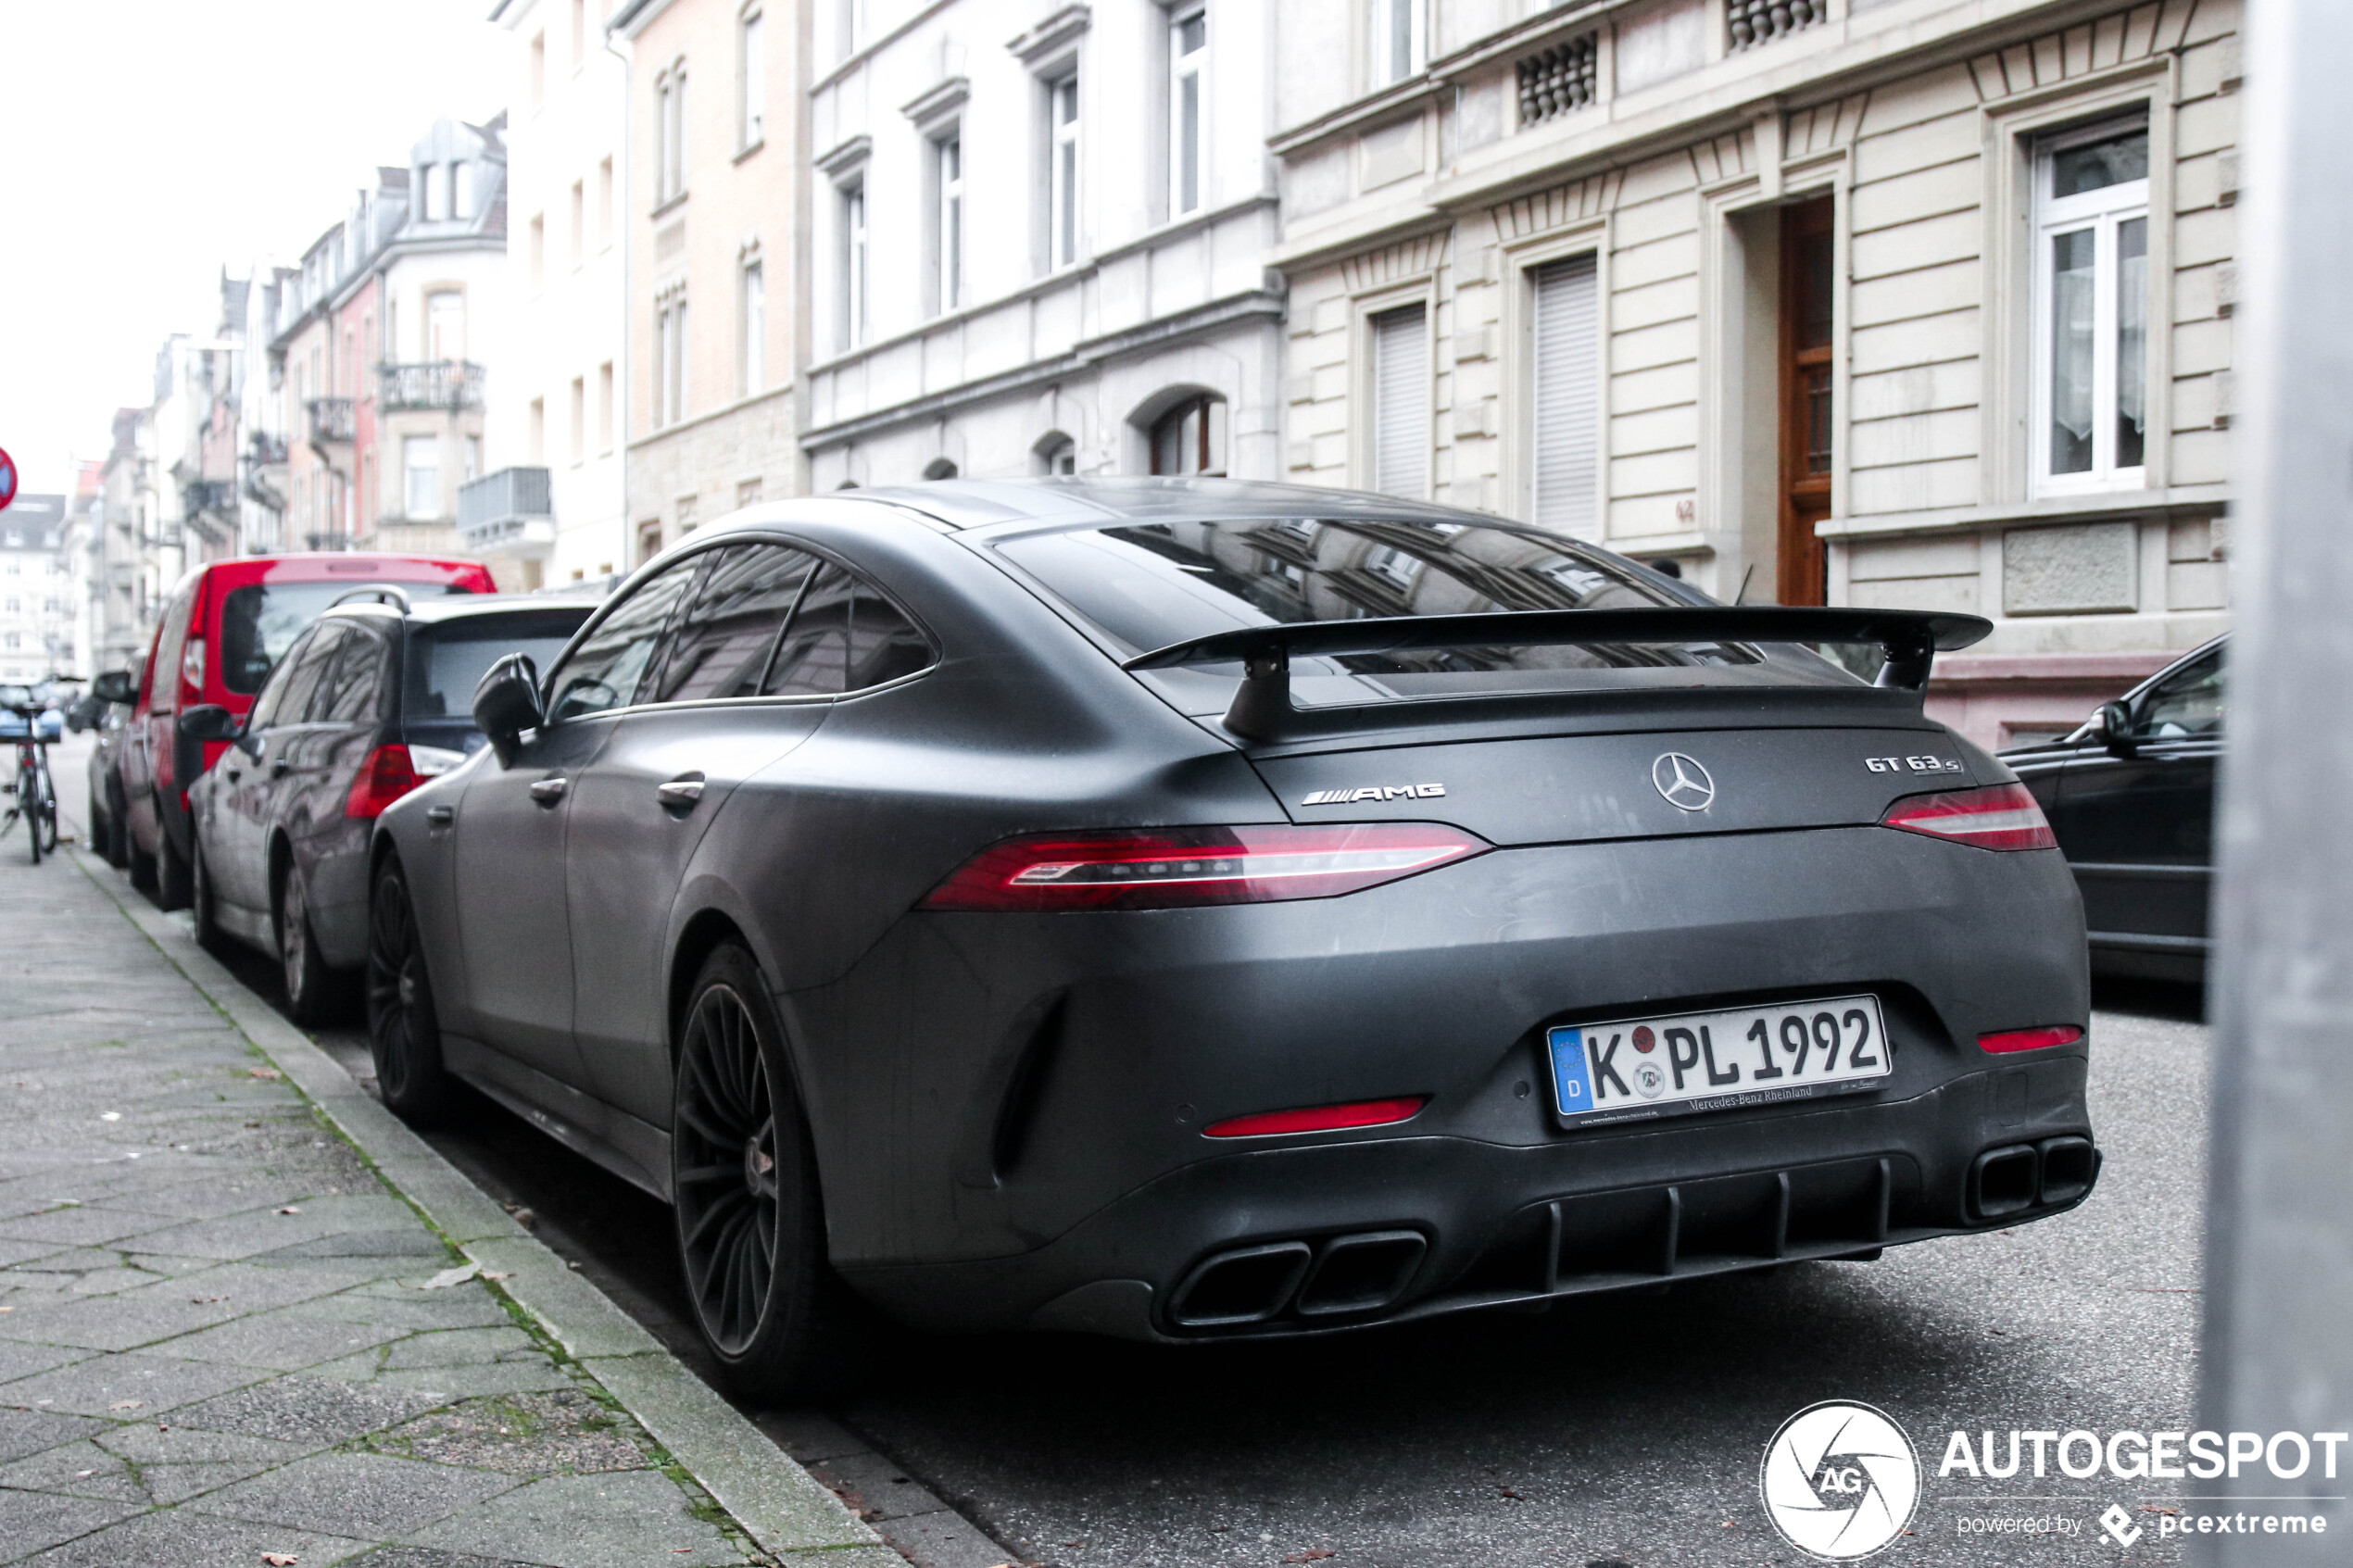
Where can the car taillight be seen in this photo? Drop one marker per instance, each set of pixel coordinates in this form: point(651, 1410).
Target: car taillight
point(1997, 817)
point(384, 778)
point(1318, 1117)
point(2029, 1039)
point(1172, 868)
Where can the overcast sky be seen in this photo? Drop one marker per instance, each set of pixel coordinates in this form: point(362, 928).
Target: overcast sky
point(145, 143)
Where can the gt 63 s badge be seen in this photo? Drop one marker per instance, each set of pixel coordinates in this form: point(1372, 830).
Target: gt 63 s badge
point(1840, 1480)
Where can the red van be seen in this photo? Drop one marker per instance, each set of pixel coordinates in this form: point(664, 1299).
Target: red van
point(221, 634)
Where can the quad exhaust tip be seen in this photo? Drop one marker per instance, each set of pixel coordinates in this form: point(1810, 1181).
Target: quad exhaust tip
point(1362, 1272)
point(2017, 1177)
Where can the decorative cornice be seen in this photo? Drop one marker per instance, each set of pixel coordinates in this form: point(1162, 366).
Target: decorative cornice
point(1051, 34)
point(935, 102)
point(844, 156)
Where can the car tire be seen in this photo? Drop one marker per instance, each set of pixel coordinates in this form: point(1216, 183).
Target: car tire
point(209, 935)
point(749, 1214)
point(99, 842)
point(404, 1031)
point(310, 983)
point(117, 830)
point(171, 873)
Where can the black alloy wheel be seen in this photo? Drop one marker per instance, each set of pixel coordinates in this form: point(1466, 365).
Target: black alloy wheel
point(404, 1033)
point(308, 983)
point(744, 1191)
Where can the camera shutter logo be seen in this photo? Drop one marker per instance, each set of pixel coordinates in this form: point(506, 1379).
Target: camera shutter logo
point(1840, 1480)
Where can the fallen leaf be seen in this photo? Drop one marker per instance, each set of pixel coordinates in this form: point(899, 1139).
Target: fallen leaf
point(206, 1300)
point(110, 1116)
point(524, 1217)
point(1312, 1555)
point(448, 1277)
point(126, 1404)
point(278, 1558)
point(290, 1208)
point(263, 1072)
point(503, 1273)
point(84, 1474)
point(1509, 1493)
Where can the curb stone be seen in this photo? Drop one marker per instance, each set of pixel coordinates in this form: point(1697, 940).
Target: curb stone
point(779, 1504)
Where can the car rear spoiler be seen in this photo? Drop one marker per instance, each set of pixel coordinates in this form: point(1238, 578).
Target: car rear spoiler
point(1262, 709)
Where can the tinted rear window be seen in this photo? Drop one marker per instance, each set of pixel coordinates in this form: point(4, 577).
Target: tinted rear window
point(1149, 586)
point(260, 620)
point(447, 662)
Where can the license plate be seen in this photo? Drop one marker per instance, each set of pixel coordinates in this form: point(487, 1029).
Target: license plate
point(1683, 1064)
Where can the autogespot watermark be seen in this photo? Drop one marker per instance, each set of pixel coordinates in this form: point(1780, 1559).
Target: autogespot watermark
point(1842, 1481)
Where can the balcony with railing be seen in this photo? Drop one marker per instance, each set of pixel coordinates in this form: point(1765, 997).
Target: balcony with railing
point(441, 383)
point(332, 420)
point(1560, 80)
point(267, 449)
point(511, 512)
point(1753, 22)
point(215, 495)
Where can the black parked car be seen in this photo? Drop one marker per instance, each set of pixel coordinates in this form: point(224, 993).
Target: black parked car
point(1182, 909)
point(112, 694)
point(370, 701)
point(2131, 797)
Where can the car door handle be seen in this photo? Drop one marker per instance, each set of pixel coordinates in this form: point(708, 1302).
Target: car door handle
point(548, 791)
point(440, 816)
point(234, 775)
point(682, 792)
point(278, 767)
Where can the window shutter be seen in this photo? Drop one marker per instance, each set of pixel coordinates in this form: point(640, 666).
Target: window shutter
point(1568, 410)
point(1401, 403)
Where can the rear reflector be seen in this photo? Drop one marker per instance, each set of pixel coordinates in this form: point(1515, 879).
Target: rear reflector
point(1172, 868)
point(384, 778)
point(2031, 1039)
point(1997, 817)
point(1318, 1117)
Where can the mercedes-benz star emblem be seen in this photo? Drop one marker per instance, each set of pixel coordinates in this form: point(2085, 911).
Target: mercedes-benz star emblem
point(1683, 782)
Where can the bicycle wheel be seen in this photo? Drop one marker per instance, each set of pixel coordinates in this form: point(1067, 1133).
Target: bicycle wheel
point(45, 794)
point(29, 795)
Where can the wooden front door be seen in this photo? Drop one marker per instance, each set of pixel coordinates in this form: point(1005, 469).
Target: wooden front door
point(1807, 279)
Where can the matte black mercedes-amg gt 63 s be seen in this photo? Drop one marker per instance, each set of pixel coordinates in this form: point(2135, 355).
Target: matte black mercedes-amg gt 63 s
point(1190, 911)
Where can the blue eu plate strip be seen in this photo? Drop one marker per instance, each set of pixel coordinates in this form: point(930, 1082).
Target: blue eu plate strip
point(1569, 1088)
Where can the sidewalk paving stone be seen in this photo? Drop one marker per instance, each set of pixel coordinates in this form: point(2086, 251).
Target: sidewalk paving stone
point(159, 1383)
point(176, 1538)
point(618, 1520)
point(371, 1495)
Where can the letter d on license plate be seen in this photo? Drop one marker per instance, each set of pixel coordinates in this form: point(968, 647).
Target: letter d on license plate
point(1679, 1064)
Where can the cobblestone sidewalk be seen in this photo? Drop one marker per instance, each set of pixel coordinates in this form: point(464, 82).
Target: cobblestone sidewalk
point(224, 1342)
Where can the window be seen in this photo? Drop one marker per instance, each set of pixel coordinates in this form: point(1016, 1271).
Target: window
point(2188, 705)
point(727, 638)
point(752, 82)
point(537, 251)
point(670, 135)
point(2091, 190)
point(458, 201)
point(1062, 172)
point(649, 541)
point(669, 362)
point(579, 222)
point(579, 32)
point(473, 459)
point(850, 26)
point(852, 326)
point(446, 662)
point(751, 312)
point(844, 637)
point(1565, 477)
point(604, 407)
point(604, 205)
point(1191, 439)
point(948, 228)
point(1187, 53)
point(1400, 402)
point(1057, 453)
point(421, 462)
point(431, 194)
point(604, 671)
point(539, 431)
point(578, 450)
point(351, 694)
point(445, 326)
point(1397, 40)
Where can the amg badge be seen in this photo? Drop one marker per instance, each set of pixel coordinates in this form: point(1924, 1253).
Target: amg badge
point(1374, 792)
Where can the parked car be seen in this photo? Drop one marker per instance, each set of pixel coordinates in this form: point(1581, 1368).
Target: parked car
point(222, 632)
point(2131, 797)
point(370, 700)
point(113, 692)
point(1187, 909)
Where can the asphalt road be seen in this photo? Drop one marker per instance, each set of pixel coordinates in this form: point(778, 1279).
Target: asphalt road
point(1611, 1431)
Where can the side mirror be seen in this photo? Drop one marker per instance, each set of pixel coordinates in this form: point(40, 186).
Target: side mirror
point(209, 721)
point(507, 701)
point(2113, 728)
point(114, 685)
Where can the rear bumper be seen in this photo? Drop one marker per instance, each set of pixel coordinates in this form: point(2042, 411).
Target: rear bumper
point(1008, 1108)
point(1597, 1210)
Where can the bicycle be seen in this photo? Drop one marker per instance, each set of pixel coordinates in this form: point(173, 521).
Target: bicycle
point(33, 794)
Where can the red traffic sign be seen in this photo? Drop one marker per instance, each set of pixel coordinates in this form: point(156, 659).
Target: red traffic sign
point(7, 481)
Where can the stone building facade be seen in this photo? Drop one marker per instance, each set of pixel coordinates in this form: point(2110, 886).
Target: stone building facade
point(1919, 302)
point(1040, 237)
point(717, 226)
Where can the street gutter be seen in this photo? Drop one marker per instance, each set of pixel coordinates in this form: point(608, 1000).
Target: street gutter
point(778, 1503)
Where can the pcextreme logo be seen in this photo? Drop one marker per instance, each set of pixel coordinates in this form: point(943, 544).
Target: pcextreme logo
point(1840, 1480)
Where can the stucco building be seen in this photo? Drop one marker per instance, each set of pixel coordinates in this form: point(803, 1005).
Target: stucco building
point(1919, 302)
point(717, 222)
